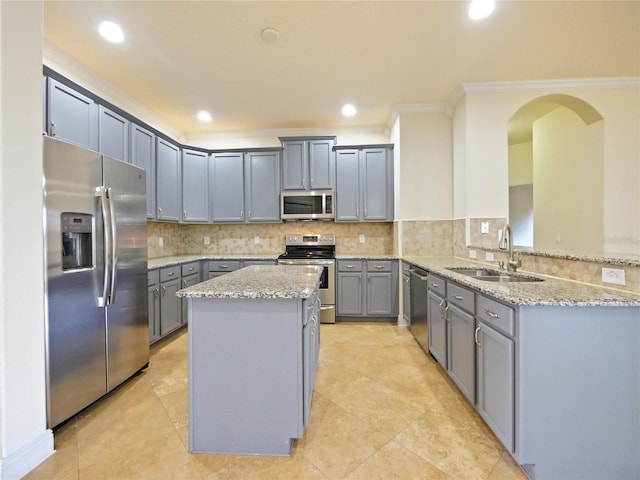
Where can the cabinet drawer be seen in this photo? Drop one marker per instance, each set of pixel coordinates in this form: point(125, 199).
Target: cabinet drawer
point(378, 266)
point(169, 273)
point(495, 314)
point(349, 266)
point(436, 284)
point(461, 297)
point(190, 268)
point(223, 265)
point(153, 277)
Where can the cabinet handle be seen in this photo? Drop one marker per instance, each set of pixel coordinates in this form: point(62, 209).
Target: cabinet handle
point(441, 312)
point(184, 283)
point(184, 214)
point(365, 213)
point(379, 267)
point(159, 212)
point(171, 274)
point(192, 269)
point(357, 212)
point(446, 313)
point(249, 214)
point(349, 266)
point(164, 290)
point(223, 266)
point(458, 297)
point(53, 129)
point(156, 292)
point(435, 285)
point(475, 336)
point(492, 314)
point(303, 186)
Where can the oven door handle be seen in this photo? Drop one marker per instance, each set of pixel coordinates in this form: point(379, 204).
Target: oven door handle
point(310, 261)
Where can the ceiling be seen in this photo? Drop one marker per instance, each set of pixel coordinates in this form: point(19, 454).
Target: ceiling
point(180, 57)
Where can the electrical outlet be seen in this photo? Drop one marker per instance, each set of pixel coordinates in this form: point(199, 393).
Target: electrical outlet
point(207, 240)
point(472, 254)
point(256, 240)
point(484, 227)
point(361, 238)
point(557, 238)
point(615, 276)
point(488, 256)
point(161, 241)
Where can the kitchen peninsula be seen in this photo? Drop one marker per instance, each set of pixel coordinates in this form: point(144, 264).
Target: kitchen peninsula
point(253, 350)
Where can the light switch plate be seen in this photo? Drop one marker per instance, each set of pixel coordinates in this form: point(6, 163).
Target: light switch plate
point(256, 240)
point(614, 276)
point(488, 256)
point(361, 238)
point(207, 240)
point(161, 241)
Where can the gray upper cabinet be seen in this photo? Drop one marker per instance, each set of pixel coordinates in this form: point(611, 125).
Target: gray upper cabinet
point(71, 116)
point(308, 164)
point(195, 186)
point(262, 186)
point(168, 182)
point(143, 154)
point(114, 134)
point(364, 184)
point(226, 181)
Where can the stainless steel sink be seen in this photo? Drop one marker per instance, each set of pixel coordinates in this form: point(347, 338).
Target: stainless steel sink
point(489, 275)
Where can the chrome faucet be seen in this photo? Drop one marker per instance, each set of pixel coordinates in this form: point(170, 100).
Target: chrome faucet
point(506, 243)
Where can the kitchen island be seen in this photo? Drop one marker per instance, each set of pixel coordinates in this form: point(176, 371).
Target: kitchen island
point(253, 349)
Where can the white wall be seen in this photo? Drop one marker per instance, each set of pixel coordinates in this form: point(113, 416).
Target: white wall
point(24, 439)
point(425, 169)
point(481, 151)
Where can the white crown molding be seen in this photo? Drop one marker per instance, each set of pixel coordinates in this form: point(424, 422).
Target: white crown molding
point(550, 84)
point(415, 108)
point(80, 74)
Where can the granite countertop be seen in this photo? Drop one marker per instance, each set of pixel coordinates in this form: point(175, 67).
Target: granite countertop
point(551, 292)
point(355, 256)
point(259, 281)
point(178, 259)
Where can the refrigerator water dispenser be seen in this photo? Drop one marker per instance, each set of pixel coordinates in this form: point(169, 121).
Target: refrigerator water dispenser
point(77, 240)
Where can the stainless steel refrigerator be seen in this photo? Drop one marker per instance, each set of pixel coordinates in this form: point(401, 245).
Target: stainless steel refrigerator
point(96, 276)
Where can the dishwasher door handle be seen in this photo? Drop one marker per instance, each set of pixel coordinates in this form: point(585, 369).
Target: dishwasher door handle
point(416, 274)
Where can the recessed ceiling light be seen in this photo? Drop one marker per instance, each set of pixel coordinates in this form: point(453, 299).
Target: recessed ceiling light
point(111, 32)
point(270, 34)
point(204, 116)
point(479, 9)
point(349, 110)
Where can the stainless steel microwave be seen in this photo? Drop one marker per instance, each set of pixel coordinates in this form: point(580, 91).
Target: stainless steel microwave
point(311, 205)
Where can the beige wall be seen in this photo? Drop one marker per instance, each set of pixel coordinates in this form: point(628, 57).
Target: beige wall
point(521, 163)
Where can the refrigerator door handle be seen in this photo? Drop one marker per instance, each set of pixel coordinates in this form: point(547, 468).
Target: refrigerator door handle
point(101, 193)
point(113, 255)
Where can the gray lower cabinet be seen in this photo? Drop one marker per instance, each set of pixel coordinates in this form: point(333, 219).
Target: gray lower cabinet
point(217, 268)
point(461, 348)
point(170, 306)
point(195, 186)
point(190, 276)
point(437, 324)
point(308, 163)
point(367, 288)
point(364, 184)
point(143, 154)
point(154, 305)
point(114, 134)
point(168, 181)
point(495, 353)
point(71, 116)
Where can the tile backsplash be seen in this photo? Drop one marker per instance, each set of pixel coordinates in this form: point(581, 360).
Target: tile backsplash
point(409, 238)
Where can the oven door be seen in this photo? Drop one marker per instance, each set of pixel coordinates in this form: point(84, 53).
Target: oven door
point(327, 288)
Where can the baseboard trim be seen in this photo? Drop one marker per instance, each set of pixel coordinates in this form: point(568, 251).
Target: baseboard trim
point(26, 458)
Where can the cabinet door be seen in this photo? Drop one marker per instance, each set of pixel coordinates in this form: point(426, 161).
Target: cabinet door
point(321, 164)
point(375, 192)
point(349, 293)
point(294, 165)
point(262, 186)
point(195, 186)
point(226, 172)
point(168, 181)
point(462, 351)
point(154, 313)
point(496, 391)
point(114, 135)
point(143, 155)
point(72, 117)
point(170, 307)
point(437, 328)
point(187, 282)
point(347, 186)
point(379, 294)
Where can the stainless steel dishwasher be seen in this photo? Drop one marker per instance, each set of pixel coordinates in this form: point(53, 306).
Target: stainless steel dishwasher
point(418, 291)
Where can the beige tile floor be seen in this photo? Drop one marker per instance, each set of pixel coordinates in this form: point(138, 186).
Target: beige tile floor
point(381, 410)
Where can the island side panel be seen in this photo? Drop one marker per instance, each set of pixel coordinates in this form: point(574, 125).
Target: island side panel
point(579, 392)
point(245, 375)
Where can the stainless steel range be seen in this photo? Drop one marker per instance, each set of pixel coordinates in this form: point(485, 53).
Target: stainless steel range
point(315, 249)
